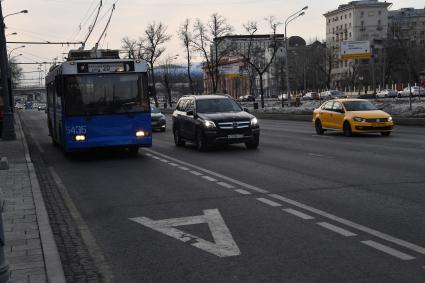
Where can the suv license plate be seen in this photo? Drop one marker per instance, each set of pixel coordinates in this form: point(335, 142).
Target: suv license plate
point(235, 136)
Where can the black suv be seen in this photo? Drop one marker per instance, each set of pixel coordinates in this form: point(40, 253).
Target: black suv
point(213, 119)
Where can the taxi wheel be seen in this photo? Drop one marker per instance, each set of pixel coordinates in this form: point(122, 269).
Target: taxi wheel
point(347, 129)
point(386, 134)
point(319, 128)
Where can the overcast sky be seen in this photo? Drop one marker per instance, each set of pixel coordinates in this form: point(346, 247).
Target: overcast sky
point(59, 20)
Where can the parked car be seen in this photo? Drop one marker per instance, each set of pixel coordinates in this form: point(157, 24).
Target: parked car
point(387, 93)
point(332, 94)
point(41, 106)
point(213, 119)
point(157, 119)
point(352, 116)
point(416, 91)
point(311, 96)
point(19, 105)
point(283, 96)
point(246, 98)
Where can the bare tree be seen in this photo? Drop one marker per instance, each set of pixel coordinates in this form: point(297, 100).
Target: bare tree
point(208, 42)
point(151, 48)
point(131, 46)
point(15, 72)
point(254, 56)
point(169, 74)
point(186, 38)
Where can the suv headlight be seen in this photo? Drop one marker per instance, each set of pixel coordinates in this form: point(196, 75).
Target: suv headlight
point(209, 124)
point(359, 119)
point(254, 122)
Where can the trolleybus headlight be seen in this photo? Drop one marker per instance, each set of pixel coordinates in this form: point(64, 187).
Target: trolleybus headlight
point(142, 134)
point(80, 138)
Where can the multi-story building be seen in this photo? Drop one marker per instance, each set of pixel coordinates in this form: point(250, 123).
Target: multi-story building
point(365, 20)
point(408, 25)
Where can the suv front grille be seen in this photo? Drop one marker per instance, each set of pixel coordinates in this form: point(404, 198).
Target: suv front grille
point(234, 125)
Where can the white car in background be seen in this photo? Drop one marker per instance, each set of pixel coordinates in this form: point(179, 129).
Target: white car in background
point(332, 94)
point(387, 93)
point(416, 91)
point(311, 96)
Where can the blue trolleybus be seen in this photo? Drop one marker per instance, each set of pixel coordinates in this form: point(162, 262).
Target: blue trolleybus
point(96, 100)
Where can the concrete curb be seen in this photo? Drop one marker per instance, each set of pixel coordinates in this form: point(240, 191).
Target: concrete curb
point(54, 270)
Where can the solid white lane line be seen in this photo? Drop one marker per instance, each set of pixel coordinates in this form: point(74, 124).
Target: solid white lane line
point(269, 202)
point(208, 178)
point(354, 225)
point(243, 192)
point(183, 168)
point(173, 164)
point(227, 186)
point(336, 229)
point(195, 173)
point(298, 214)
point(388, 250)
point(209, 172)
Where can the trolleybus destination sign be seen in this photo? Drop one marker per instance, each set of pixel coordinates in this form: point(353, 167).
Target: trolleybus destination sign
point(112, 67)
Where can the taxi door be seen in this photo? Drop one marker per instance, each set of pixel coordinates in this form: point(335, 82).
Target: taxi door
point(326, 115)
point(338, 115)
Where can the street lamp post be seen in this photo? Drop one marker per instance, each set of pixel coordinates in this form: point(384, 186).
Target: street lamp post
point(10, 52)
point(20, 12)
point(8, 125)
point(287, 21)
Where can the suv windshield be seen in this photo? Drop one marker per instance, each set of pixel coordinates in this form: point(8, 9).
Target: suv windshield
point(105, 94)
point(217, 105)
point(359, 106)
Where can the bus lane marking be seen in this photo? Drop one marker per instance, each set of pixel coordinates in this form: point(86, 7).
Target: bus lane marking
point(223, 244)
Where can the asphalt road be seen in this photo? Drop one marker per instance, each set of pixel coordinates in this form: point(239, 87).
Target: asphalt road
point(301, 208)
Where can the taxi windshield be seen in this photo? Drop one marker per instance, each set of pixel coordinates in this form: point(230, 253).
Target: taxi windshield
point(359, 106)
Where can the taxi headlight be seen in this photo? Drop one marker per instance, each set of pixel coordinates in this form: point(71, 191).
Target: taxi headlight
point(209, 124)
point(390, 119)
point(254, 121)
point(359, 119)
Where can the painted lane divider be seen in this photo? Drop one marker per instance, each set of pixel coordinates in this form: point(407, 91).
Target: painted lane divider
point(269, 202)
point(209, 172)
point(336, 229)
point(242, 192)
point(208, 178)
point(298, 214)
point(195, 173)
point(354, 225)
point(388, 250)
point(183, 168)
point(223, 246)
point(227, 186)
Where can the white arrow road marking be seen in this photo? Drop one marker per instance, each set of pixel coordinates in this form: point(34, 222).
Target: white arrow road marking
point(223, 245)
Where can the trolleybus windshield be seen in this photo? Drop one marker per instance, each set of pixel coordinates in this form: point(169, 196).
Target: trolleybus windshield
point(105, 94)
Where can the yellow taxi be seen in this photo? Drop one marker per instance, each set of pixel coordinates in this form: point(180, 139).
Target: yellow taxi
point(352, 116)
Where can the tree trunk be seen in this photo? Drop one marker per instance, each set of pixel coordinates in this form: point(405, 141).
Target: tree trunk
point(189, 75)
point(168, 90)
point(261, 90)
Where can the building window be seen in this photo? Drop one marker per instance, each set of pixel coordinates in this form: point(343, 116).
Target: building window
point(379, 22)
point(349, 25)
point(379, 12)
point(349, 15)
point(350, 34)
point(341, 17)
point(361, 14)
point(345, 16)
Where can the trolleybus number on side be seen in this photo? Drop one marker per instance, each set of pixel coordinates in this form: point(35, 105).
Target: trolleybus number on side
point(76, 130)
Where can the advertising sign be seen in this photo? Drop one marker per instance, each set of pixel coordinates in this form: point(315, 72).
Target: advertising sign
point(229, 70)
point(355, 50)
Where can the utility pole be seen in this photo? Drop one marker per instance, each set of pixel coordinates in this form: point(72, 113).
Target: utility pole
point(8, 123)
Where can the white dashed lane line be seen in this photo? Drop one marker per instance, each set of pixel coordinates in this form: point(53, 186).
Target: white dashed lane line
point(208, 178)
point(298, 214)
point(183, 168)
point(269, 202)
point(226, 185)
point(388, 250)
point(196, 173)
point(336, 229)
point(164, 160)
point(243, 192)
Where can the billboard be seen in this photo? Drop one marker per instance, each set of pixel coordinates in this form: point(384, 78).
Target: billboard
point(355, 50)
point(229, 70)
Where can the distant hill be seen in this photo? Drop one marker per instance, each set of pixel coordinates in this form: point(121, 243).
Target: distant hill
point(196, 69)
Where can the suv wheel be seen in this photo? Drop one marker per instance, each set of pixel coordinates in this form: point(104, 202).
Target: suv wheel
point(254, 143)
point(177, 138)
point(201, 142)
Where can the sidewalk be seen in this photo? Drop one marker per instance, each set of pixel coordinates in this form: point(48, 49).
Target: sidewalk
point(30, 247)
